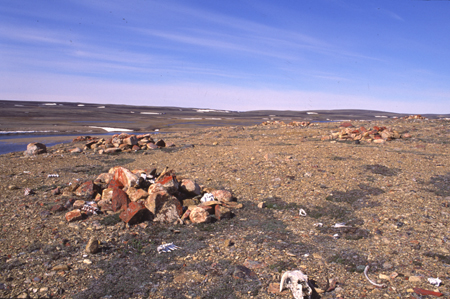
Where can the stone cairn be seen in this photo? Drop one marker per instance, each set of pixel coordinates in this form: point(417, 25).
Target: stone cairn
point(142, 195)
point(119, 143)
point(375, 134)
point(417, 116)
point(283, 124)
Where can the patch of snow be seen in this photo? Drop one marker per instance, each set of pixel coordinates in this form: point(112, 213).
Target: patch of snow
point(101, 107)
point(157, 113)
point(108, 129)
point(80, 105)
point(312, 113)
point(381, 116)
point(50, 104)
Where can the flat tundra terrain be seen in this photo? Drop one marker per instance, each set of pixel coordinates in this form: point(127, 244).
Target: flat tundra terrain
point(325, 199)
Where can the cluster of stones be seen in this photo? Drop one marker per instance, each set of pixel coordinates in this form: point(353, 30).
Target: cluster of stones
point(282, 123)
point(142, 195)
point(417, 116)
point(375, 134)
point(120, 143)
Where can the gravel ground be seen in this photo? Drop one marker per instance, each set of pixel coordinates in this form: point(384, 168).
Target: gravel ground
point(394, 199)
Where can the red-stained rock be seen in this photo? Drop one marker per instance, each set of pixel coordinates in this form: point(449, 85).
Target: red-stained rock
point(199, 215)
point(136, 148)
point(74, 215)
point(222, 212)
point(136, 194)
point(427, 292)
point(363, 129)
point(169, 182)
point(119, 200)
point(190, 187)
point(125, 176)
point(115, 184)
point(152, 146)
point(87, 190)
point(222, 195)
point(134, 213)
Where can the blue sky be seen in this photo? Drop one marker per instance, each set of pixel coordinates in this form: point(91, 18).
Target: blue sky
point(239, 55)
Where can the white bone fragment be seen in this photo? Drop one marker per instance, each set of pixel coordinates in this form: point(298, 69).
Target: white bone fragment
point(168, 247)
point(302, 212)
point(341, 224)
point(297, 282)
point(375, 284)
point(207, 197)
point(435, 281)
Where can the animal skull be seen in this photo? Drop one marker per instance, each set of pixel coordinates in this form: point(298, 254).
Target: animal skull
point(297, 282)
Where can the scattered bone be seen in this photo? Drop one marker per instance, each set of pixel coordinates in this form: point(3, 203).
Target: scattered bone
point(297, 282)
point(168, 247)
point(375, 284)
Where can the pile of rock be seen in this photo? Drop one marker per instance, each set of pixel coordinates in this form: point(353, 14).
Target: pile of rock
point(142, 195)
point(375, 134)
point(120, 143)
point(417, 116)
point(282, 123)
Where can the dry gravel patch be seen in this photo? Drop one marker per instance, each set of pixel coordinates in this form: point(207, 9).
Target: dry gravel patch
point(394, 199)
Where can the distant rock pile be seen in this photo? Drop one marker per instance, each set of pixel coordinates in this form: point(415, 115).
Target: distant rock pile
point(417, 116)
point(282, 123)
point(120, 143)
point(375, 134)
point(142, 195)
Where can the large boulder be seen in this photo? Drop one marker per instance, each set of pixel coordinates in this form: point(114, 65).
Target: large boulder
point(35, 148)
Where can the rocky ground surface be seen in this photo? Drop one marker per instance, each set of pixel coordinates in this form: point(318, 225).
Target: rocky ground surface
point(394, 198)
